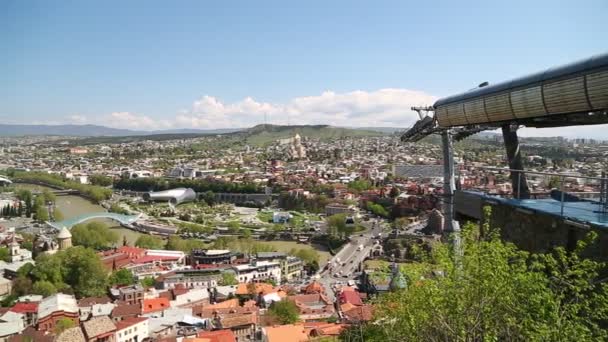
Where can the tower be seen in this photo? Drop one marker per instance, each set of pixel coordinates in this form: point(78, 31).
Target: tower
point(64, 238)
point(398, 281)
point(14, 248)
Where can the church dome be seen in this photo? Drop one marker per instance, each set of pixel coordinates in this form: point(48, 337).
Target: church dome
point(64, 233)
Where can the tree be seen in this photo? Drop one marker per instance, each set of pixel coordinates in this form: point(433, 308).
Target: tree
point(78, 268)
point(95, 235)
point(63, 324)
point(42, 214)
point(149, 242)
point(5, 255)
point(491, 291)
point(22, 286)
point(284, 312)
point(233, 227)
point(57, 215)
point(148, 282)
point(246, 233)
point(336, 223)
point(9, 301)
point(48, 196)
point(116, 208)
point(359, 185)
point(377, 209)
point(228, 278)
point(100, 180)
point(44, 288)
point(122, 277)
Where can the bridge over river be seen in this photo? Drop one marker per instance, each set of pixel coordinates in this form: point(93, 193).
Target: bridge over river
point(120, 218)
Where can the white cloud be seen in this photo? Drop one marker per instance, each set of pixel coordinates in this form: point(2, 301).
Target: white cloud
point(77, 119)
point(384, 107)
point(134, 121)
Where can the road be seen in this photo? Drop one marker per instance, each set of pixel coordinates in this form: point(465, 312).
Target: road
point(345, 264)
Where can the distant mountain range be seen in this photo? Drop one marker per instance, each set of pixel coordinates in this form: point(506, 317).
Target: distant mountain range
point(95, 131)
point(102, 131)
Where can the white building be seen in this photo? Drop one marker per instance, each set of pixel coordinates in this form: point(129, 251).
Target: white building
point(259, 271)
point(192, 297)
point(133, 329)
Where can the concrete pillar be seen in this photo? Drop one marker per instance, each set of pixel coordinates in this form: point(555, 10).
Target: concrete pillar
point(518, 179)
point(449, 183)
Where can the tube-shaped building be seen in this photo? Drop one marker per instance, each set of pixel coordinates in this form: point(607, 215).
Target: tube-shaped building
point(574, 88)
point(173, 196)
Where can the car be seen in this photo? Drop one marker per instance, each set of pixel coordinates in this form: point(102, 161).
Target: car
point(353, 260)
point(345, 276)
point(336, 275)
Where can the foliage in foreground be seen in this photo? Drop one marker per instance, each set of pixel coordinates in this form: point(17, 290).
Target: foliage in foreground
point(94, 235)
point(284, 312)
point(76, 270)
point(493, 291)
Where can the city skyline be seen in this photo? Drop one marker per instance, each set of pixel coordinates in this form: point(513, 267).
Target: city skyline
point(141, 66)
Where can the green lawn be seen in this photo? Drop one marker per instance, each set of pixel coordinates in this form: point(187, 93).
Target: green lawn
point(286, 246)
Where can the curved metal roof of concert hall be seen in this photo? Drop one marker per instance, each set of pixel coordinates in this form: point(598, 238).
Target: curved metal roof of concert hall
point(573, 88)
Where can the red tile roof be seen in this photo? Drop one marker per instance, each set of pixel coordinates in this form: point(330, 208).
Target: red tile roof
point(22, 307)
point(350, 297)
point(127, 322)
point(154, 304)
point(123, 310)
point(225, 335)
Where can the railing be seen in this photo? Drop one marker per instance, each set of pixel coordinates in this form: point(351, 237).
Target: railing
point(559, 186)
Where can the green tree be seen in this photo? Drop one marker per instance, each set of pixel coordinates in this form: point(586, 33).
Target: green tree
point(116, 208)
point(284, 312)
point(336, 224)
point(228, 278)
point(489, 290)
point(48, 196)
point(100, 180)
point(5, 254)
point(42, 214)
point(95, 235)
point(78, 268)
point(9, 301)
point(63, 324)
point(148, 282)
point(22, 286)
point(122, 277)
point(149, 242)
point(57, 215)
point(359, 185)
point(233, 227)
point(44, 288)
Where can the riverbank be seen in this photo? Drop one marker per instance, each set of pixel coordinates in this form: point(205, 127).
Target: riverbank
point(75, 205)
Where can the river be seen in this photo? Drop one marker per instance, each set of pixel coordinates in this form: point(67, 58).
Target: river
point(72, 205)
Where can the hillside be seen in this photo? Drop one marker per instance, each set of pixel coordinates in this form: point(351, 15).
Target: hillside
point(265, 134)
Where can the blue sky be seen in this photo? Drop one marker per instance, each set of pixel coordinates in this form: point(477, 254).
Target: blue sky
point(210, 64)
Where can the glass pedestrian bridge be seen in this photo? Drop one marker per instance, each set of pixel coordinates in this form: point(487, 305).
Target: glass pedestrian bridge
point(120, 218)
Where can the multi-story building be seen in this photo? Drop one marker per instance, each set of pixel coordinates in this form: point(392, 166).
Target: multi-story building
point(212, 256)
point(336, 208)
point(291, 267)
point(56, 307)
point(258, 271)
point(199, 278)
point(132, 329)
point(129, 294)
